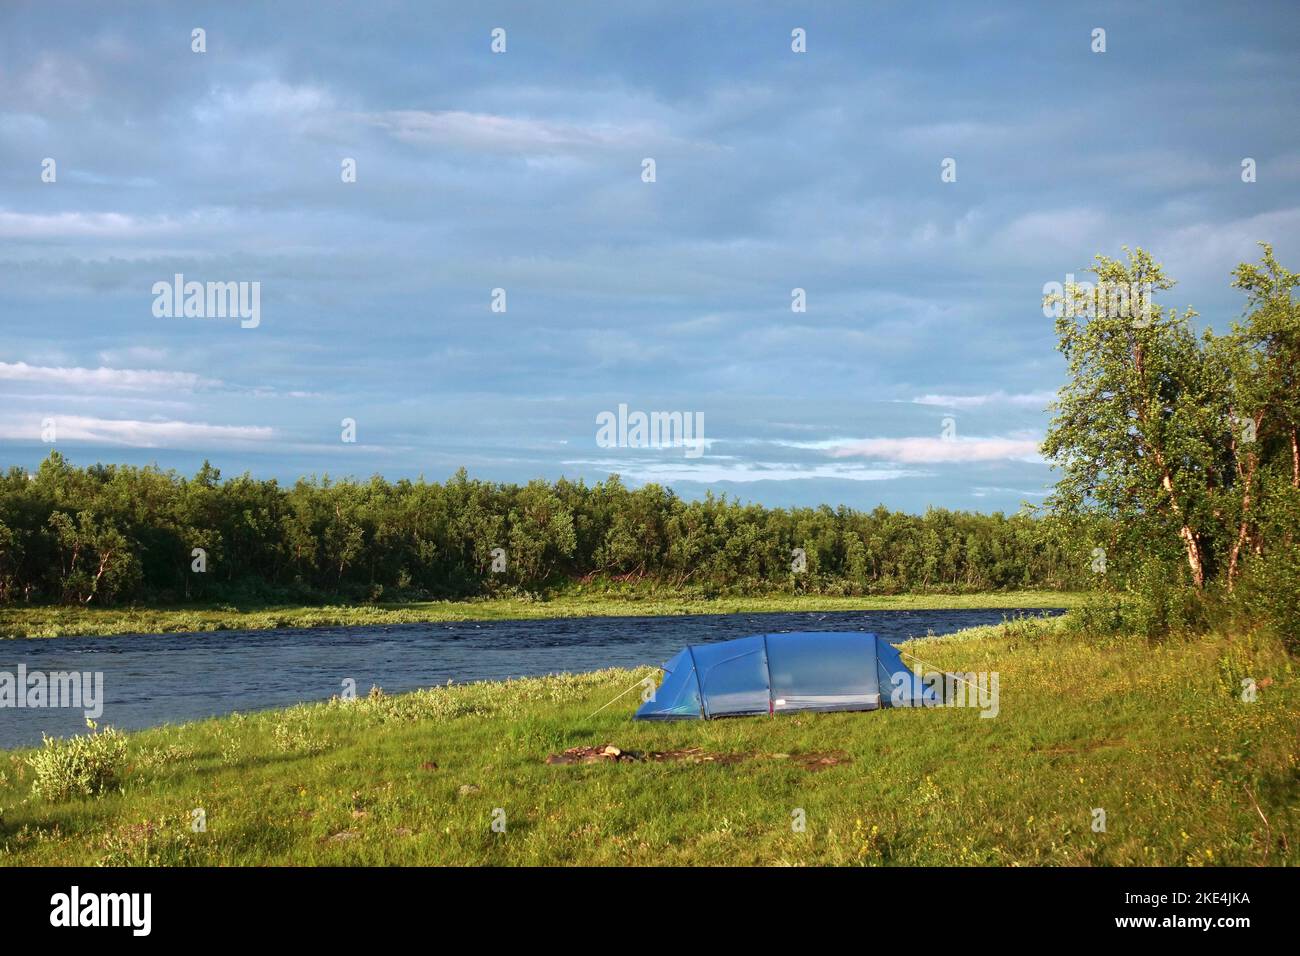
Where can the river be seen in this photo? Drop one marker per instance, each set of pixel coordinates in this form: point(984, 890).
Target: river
point(173, 678)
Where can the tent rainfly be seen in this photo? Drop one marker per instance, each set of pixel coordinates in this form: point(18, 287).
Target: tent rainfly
point(772, 673)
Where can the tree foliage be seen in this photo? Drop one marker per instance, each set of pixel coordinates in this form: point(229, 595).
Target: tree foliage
point(1185, 445)
point(110, 533)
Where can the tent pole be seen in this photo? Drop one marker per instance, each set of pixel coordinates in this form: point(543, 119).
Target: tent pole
point(699, 684)
point(767, 664)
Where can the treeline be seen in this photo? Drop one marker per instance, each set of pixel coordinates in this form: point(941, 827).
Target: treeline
point(109, 534)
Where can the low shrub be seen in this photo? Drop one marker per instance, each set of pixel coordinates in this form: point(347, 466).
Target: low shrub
point(84, 765)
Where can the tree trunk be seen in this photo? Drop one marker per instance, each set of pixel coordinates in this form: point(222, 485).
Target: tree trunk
point(1295, 461)
point(1190, 541)
point(1241, 536)
point(103, 564)
point(1248, 484)
point(1193, 556)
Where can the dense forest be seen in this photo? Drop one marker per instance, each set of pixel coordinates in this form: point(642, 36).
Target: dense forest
point(110, 534)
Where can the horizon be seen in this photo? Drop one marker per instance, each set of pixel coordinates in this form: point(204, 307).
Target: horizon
point(321, 478)
point(916, 376)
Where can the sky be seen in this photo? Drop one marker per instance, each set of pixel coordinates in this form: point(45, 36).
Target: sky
point(918, 374)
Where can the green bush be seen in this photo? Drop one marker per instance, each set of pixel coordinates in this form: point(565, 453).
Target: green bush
point(84, 765)
point(1271, 591)
point(295, 731)
point(1101, 615)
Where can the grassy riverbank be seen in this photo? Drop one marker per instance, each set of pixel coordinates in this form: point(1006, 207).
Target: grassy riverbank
point(61, 621)
point(1155, 735)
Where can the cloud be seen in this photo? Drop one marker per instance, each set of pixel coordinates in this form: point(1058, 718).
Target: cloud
point(1036, 400)
point(138, 434)
point(93, 225)
point(738, 471)
point(1052, 229)
point(506, 134)
point(52, 81)
point(269, 98)
point(125, 379)
point(1214, 247)
point(986, 491)
point(935, 450)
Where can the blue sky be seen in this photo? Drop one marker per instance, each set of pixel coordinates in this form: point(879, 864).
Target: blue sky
point(522, 171)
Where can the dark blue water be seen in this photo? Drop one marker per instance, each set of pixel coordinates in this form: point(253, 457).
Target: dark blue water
point(172, 678)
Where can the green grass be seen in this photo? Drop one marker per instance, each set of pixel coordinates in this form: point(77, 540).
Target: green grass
point(46, 621)
point(1156, 735)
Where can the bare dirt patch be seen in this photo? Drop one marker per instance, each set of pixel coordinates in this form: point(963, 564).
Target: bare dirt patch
point(609, 753)
point(820, 761)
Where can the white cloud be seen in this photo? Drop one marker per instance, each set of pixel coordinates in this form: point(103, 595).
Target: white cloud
point(981, 491)
point(487, 131)
point(95, 225)
point(1035, 400)
point(710, 471)
point(125, 379)
point(268, 98)
point(916, 450)
point(1213, 248)
point(137, 434)
point(1052, 229)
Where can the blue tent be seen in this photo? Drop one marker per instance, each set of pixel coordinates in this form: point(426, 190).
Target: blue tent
point(771, 673)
